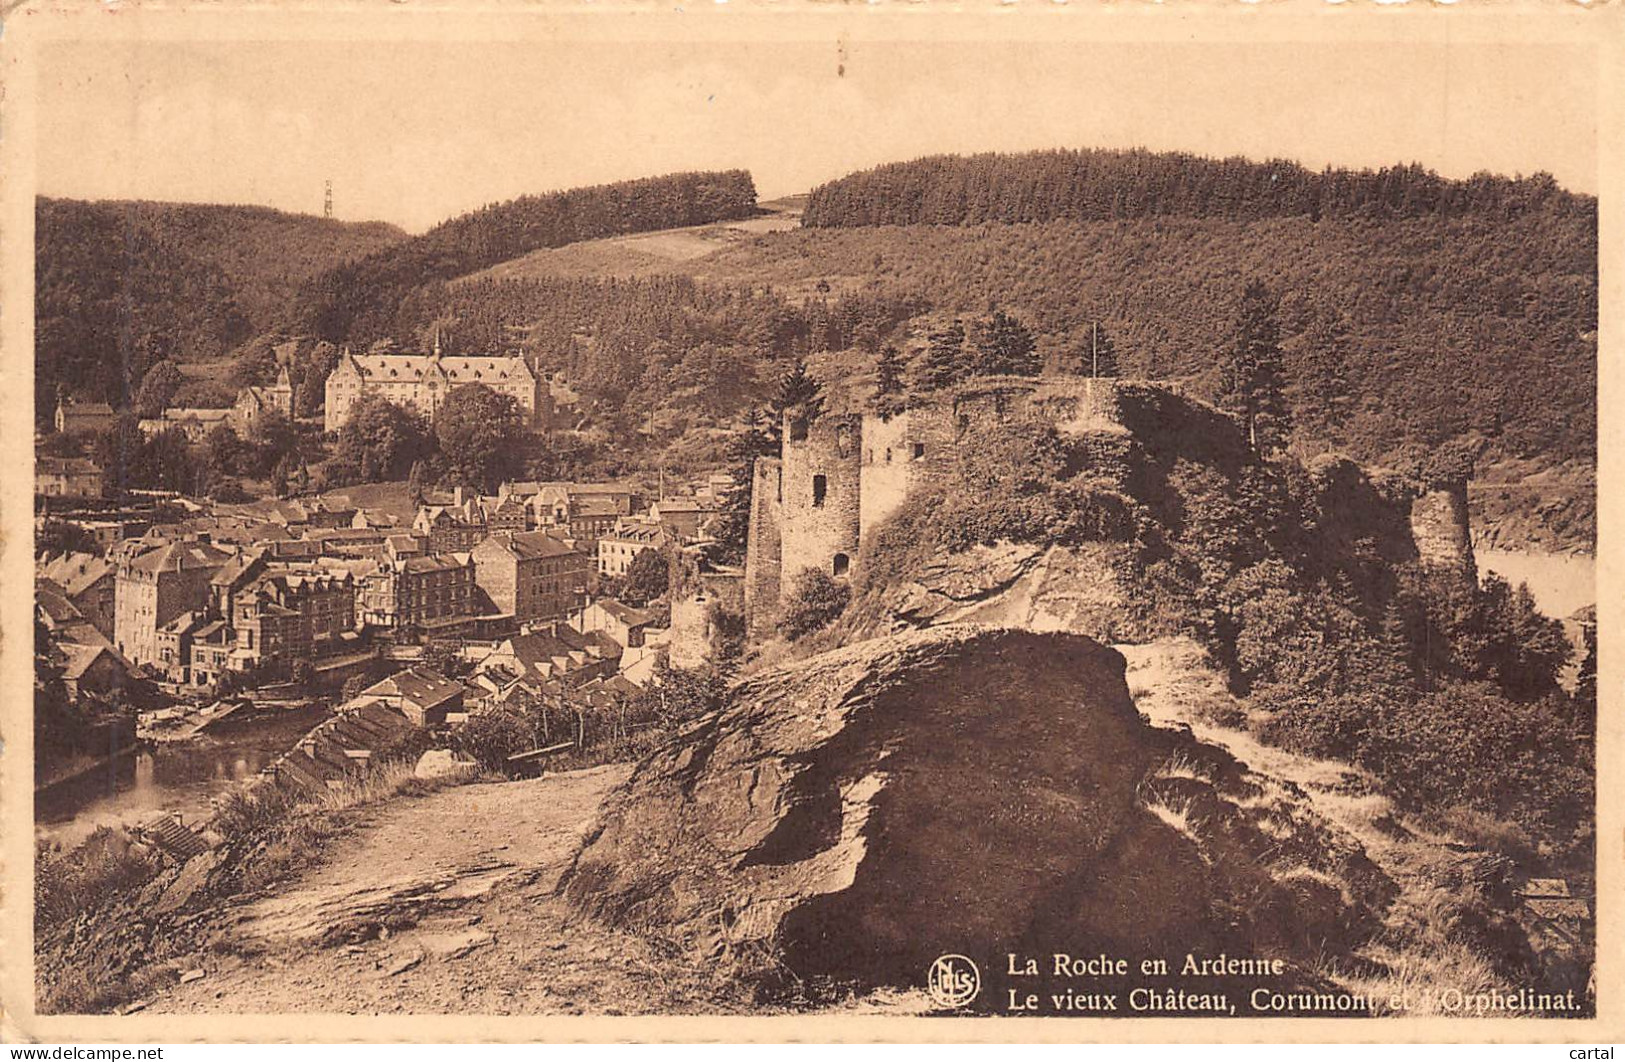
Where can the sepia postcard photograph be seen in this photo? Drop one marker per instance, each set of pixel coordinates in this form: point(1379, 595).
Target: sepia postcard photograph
point(845, 524)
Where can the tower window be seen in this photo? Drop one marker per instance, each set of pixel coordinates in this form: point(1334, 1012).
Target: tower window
point(842, 563)
point(919, 450)
point(888, 455)
point(820, 488)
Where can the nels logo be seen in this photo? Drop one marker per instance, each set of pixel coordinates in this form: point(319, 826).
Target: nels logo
point(953, 981)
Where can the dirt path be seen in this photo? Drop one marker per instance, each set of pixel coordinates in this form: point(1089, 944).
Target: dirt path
point(442, 904)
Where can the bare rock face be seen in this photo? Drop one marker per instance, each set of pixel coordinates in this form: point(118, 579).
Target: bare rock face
point(956, 789)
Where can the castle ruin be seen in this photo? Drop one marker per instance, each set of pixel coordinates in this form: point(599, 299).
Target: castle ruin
point(841, 475)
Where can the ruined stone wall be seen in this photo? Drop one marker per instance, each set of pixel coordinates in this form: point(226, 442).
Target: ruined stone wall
point(763, 549)
point(690, 640)
point(1440, 528)
point(889, 460)
point(693, 634)
point(820, 517)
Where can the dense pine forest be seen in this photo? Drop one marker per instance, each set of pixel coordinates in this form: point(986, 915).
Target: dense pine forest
point(1120, 185)
point(1413, 310)
point(1396, 333)
point(357, 302)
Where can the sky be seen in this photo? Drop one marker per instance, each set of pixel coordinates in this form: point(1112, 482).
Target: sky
point(414, 132)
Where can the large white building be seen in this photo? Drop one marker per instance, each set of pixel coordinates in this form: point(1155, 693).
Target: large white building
point(420, 383)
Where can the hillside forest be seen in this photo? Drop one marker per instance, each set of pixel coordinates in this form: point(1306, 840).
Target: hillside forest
point(1412, 309)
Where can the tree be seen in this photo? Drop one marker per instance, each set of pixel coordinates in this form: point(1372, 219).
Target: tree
point(282, 475)
point(647, 577)
point(222, 450)
point(59, 536)
point(732, 528)
point(1099, 355)
point(889, 382)
point(311, 393)
point(158, 388)
point(415, 482)
point(1251, 375)
point(272, 439)
point(164, 462)
point(815, 599)
point(380, 440)
point(479, 432)
point(944, 359)
point(799, 391)
point(1003, 347)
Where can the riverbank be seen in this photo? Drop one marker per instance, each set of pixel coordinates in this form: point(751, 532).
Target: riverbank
point(175, 778)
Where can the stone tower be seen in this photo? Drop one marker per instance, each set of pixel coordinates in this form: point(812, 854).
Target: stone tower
point(820, 516)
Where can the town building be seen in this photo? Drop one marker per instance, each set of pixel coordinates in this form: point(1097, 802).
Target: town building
point(254, 403)
point(627, 625)
point(154, 587)
point(420, 383)
point(531, 575)
point(67, 477)
point(87, 581)
point(90, 669)
point(447, 528)
point(290, 615)
point(84, 418)
point(423, 696)
point(687, 518)
point(626, 540)
point(555, 653)
point(419, 592)
point(195, 424)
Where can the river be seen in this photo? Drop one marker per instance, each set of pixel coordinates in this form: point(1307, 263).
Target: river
point(178, 776)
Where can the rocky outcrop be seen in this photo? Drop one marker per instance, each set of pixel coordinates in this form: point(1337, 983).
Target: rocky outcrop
point(958, 789)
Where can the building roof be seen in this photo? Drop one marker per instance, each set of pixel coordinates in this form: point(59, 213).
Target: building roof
point(77, 659)
point(76, 572)
point(433, 562)
point(185, 623)
point(593, 505)
point(239, 569)
point(50, 599)
point(180, 556)
point(66, 466)
point(685, 505)
point(623, 613)
point(530, 545)
point(95, 409)
point(458, 369)
point(637, 531)
point(418, 685)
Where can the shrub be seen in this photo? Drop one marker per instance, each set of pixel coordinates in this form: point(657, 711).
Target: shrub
point(106, 864)
point(815, 599)
point(489, 737)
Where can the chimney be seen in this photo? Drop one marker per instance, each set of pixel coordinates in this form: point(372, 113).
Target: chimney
point(457, 495)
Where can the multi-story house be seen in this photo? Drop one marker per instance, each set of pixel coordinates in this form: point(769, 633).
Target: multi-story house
point(290, 615)
point(84, 418)
point(420, 383)
point(87, 581)
point(418, 591)
point(531, 575)
point(156, 586)
point(447, 528)
point(67, 477)
point(629, 538)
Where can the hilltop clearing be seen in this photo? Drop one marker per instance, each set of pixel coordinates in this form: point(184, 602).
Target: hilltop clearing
point(643, 254)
